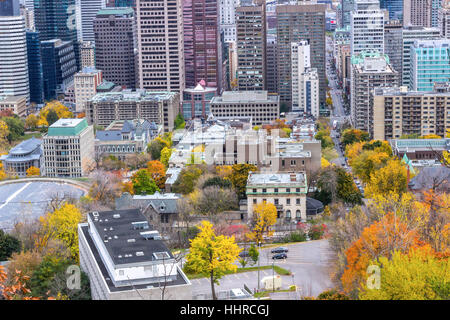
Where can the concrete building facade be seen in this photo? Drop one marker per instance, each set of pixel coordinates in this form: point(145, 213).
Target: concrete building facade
point(17, 104)
point(85, 86)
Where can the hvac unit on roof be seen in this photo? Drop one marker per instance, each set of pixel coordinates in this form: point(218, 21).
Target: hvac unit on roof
point(151, 235)
point(116, 216)
point(95, 213)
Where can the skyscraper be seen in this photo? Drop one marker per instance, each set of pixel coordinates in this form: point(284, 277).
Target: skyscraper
point(13, 53)
point(228, 19)
point(251, 47)
point(115, 46)
point(86, 12)
point(393, 44)
point(395, 8)
point(35, 73)
point(367, 25)
point(56, 19)
point(160, 44)
point(444, 21)
point(347, 7)
point(202, 46)
point(271, 63)
point(9, 8)
point(417, 13)
point(296, 23)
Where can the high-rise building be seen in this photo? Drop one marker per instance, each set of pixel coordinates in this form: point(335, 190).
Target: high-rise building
point(35, 73)
point(123, 3)
point(86, 13)
point(410, 34)
point(367, 27)
point(271, 63)
point(394, 7)
point(28, 15)
point(251, 47)
point(202, 46)
point(68, 148)
point(305, 80)
point(13, 55)
point(56, 19)
point(87, 54)
point(444, 21)
point(115, 46)
point(9, 8)
point(296, 23)
point(347, 7)
point(85, 86)
point(435, 6)
point(369, 71)
point(417, 13)
point(160, 45)
point(58, 65)
point(398, 111)
point(227, 9)
point(393, 43)
point(430, 63)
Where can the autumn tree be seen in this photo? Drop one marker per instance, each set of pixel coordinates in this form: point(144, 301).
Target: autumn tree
point(165, 155)
point(14, 288)
point(416, 275)
point(143, 182)
point(105, 187)
point(61, 111)
point(350, 136)
point(224, 171)
point(31, 122)
point(187, 179)
point(390, 178)
point(62, 224)
point(158, 172)
point(33, 172)
point(8, 245)
point(25, 261)
point(368, 162)
point(264, 217)
point(155, 148)
point(239, 176)
point(214, 200)
point(212, 255)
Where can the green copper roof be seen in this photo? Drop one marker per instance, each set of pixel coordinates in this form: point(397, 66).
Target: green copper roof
point(359, 58)
point(115, 11)
point(67, 127)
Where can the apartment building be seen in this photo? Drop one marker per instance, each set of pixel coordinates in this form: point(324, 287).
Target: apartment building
point(369, 71)
point(444, 21)
point(398, 111)
point(85, 86)
point(417, 13)
point(17, 104)
point(68, 149)
point(271, 63)
point(393, 43)
point(262, 107)
point(227, 10)
point(87, 54)
point(158, 107)
point(287, 191)
point(160, 45)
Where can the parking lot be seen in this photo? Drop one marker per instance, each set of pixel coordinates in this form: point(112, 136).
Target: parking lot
point(30, 199)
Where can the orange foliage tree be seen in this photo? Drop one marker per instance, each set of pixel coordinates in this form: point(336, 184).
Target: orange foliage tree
point(158, 171)
point(33, 171)
point(15, 288)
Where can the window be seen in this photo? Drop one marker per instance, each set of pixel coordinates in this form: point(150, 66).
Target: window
point(254, 190)
point(275, 201)
point(254, 201)
point(288, 190)
point(288, 214)
point(288, 201)
point(297, 201)
point(276, 190)
point(264, 190)
point(298, 214)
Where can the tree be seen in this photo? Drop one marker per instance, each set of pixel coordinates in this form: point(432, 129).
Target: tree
point(14, 288)
point(51, 117)
point(391, 178)
point(143, 182)
point(217, 182)
point(416, 275)
point(212, 255)
point(33, 172)
point(16, 128)
point(324, 162)
point(324, 137)
point(350, 136)
point(214, 200)
point(165, 155)
point(25, 261)
point(155, 148)
point(368, 162)
point(431, 136)
point(239, 177)
point(62, 224)
point(8, 245)
point(224, 171)
point(158, 172)
point(61, 111)
point(253, 253)
point(31, 122)
point(106, 186)
point(264, 217)
point(187, 179)
point(179, 122)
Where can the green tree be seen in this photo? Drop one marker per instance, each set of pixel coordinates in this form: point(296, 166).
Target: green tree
point(212, 255)
point(52, 117)
point(217, 182)
point(350, 136)
point(253, 253)
point(179, 122)
point(16, 128)
point(239, 177)
point(8, 245)
point(325, 139)
point(155, 148)
point(187, 179)
point(143, 182)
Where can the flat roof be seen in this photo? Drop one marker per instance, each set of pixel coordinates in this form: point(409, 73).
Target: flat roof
point(115, 11)
point(12, 99)
point(67, 127)
point(138, 95)
point(276, 179)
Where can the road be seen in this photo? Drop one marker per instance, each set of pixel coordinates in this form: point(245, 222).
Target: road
point(29, 199)
point(307, 261)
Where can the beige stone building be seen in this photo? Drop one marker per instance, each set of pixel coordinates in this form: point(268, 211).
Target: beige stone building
point(17, 104)
point(398, 112)
point(85, 86)
point(68, 149)
point(87, 53)
point(287, 191)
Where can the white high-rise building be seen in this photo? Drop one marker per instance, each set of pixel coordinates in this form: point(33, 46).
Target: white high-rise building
point(228, 19)
point(13, 57)
point(305, 80)
point(367, 25)
point(86, 10)
point(444, 21)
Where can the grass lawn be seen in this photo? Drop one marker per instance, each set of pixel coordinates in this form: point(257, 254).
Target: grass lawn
point(263, 294)
point(277, 269)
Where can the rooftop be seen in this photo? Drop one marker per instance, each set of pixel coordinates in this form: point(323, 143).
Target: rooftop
point(67, 127)
point(138, 95)
point(115, 11)
point(281, 179)
point(11, 99)
point(245, 96)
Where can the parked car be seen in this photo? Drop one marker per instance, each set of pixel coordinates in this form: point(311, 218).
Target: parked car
point(279, 250)
point(280, 256)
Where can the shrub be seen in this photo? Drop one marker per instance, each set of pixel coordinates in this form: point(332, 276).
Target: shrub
point(317, 231)
point(297, 236)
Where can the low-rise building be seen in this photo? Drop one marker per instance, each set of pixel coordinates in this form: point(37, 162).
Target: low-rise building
point(122, 138)
point(262, 107)
point(421, 152)
point(17, 104)
point(196, 101)
point(68, 148)
point(287, 191)
point(26, 154)
point(159, 107)
point(126, 259)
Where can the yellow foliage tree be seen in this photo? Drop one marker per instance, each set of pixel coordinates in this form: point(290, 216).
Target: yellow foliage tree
point(391, 178)
point(31, 122)
point(368, 162)
point(324, 162)
point(62, 224)
point(431, 136)
point(61, 110)
point(212, 255)
point(418, 275)
point(264, 217)
point(33, 171)
point(224, 171)
point(165, 155)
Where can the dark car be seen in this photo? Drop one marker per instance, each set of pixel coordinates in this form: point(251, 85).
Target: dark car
point(279, 250)
point(280, 256)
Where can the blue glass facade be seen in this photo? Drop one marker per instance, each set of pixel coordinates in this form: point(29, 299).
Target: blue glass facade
point(395, 8)
point(125, 3)
point(35, 73)
point(9, 8)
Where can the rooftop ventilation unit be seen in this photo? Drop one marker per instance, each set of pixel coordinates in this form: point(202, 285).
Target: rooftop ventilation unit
point(131, 240)
point(161, 255)
point(116, 216)
point(139, 254)
point(140, 225)
point(95, 213)
point(151, 235)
